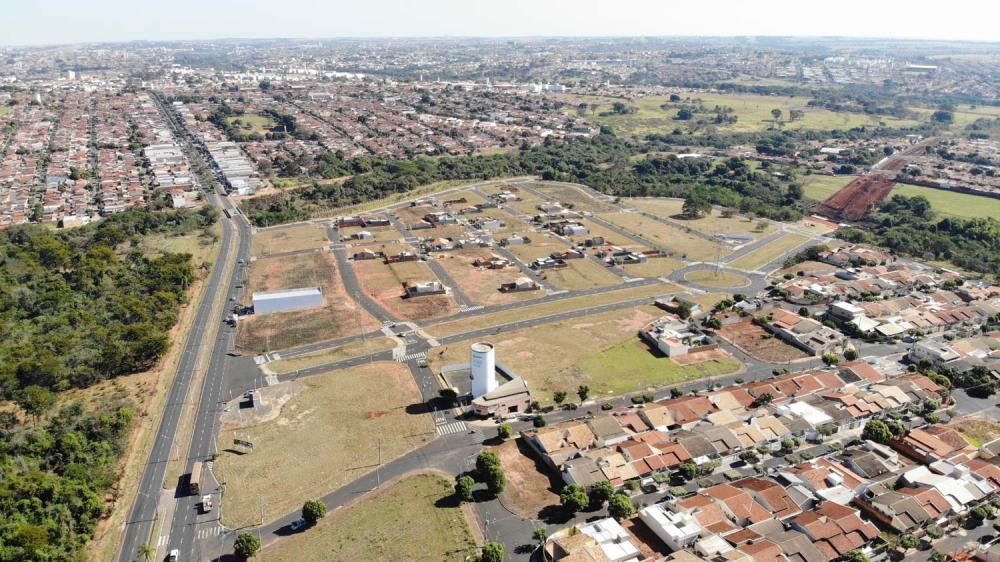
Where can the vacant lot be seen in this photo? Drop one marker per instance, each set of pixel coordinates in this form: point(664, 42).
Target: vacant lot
point(654, 267)
point(978, 430)
point(404, 521)
point(251, 124)
point(656, 114)
point(759, 343)
point(379, 234)
point(678, 242)
point(324, 437)
point(565, 354)
point(573, 198)
point(480, 284)
point(528, 312)
point(713, 223)
point(288, 239)
point(581, 274)
point(953, 204)
point(610, 237)
point(818, 187)
point(355, 349)
point(530, 488)
point(340, 316)
point(719, 279)
point(384, 283)
point(769, 252)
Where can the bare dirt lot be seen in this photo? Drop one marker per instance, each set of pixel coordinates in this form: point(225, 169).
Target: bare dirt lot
point(384, 283)
point(480, 284)
point(339, 317)
point(530, 486)
point(760, 344)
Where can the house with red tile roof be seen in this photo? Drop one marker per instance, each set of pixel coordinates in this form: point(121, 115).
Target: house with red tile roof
point(835, 529)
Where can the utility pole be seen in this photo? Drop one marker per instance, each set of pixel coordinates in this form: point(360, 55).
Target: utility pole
point(260, 501)
point(378, 474)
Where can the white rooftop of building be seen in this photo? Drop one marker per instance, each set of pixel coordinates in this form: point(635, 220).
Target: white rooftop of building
point(287, 293)
point(613, 539)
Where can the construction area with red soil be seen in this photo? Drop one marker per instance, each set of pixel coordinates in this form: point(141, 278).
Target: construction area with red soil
point(857, 198)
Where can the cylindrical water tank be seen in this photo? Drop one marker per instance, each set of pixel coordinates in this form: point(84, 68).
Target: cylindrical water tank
point(484, 378)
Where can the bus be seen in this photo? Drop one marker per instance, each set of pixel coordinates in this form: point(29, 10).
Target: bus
point(194, 484)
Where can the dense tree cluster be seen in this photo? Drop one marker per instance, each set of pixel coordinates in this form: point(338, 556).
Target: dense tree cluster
point(79, 306)
point(908, 225)
point(605, 163)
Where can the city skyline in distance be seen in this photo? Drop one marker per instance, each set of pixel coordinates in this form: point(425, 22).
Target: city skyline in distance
point(63, 22)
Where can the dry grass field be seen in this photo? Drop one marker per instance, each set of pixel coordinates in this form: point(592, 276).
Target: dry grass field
point(581, 274)
point(718, 279)
point(325, 436)
point(573, 198)
point(380, 234)
point(403, 521)
point(288, 239)
point(767, 253)
point(355, 349)
point(480, 284)
point(563, 355)
point(530, 488)
point(527, 312)
point(677, 241)
point(713, 223)
point(339, 317)
point(654, 267)
point(610, 237)
point(384, 283)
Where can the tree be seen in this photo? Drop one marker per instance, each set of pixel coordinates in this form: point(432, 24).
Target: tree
point(601, 492)
point(749, 457)
point(485, 460)
point(856, 556)
point(908, 541)
point(684, 115)
point(313, 511)
point(850, 354)
point(504, 431)
point(688, 470)
point(676, 392)
point(540, 535)
point(496, 480)
point(583, 391)
point(763, 400)
point(934, 532)
point(247, 544)
point(35, 401)
point(620, 506)
point(559, 396)
point(695, 206)
point(795, 114)
point(713, 323)
point(463, 487)
point(830, 359)
point(942, 116)
point(877, 431)
point(146, 551)
point(776, 113)
point(493, 552)
point(573, 497)
point(683, 309)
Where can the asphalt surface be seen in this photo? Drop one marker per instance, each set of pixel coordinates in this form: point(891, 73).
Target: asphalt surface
point(144, 512)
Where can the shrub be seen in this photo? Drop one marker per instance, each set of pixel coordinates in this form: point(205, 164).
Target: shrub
point(678, 491)
point(539, 421)
point(732, 475)
point(934, 532)
point(607, 406)
point(705, 482)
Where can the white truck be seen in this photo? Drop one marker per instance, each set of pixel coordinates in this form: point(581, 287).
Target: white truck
point(206, 503)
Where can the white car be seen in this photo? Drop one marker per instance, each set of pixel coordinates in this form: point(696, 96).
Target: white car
point(174, 554)
point(206, 503)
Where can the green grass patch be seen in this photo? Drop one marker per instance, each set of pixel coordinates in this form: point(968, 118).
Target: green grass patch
point(402, 522)
point(656, 114)
point(628, 366)
point(953, 204)
point(251, 124)
point(818, 188)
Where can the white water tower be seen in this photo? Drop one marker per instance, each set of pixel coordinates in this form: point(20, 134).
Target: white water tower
point(484, 373)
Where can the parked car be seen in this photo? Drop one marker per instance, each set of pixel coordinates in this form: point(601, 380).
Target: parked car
point(297, 524)
point(206, 503)
point(174, 555)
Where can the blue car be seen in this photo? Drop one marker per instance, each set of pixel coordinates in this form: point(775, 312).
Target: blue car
point(297, 524)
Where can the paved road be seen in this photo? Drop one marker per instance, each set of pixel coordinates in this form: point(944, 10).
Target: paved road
point(144, 511)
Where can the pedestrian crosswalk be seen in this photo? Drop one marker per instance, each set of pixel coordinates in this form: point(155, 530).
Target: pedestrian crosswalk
point(209, 532)
point(271, 380)
point(468, 308)
point(162, 541)
point(449, 428)
point(410, 357)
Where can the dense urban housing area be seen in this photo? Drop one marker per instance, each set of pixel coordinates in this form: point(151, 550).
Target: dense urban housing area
point(555, 299)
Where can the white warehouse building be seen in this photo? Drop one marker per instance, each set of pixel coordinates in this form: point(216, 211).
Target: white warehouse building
point(267, 302)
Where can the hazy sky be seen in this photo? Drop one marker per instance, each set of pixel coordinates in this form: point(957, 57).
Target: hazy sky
point(30, 22)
